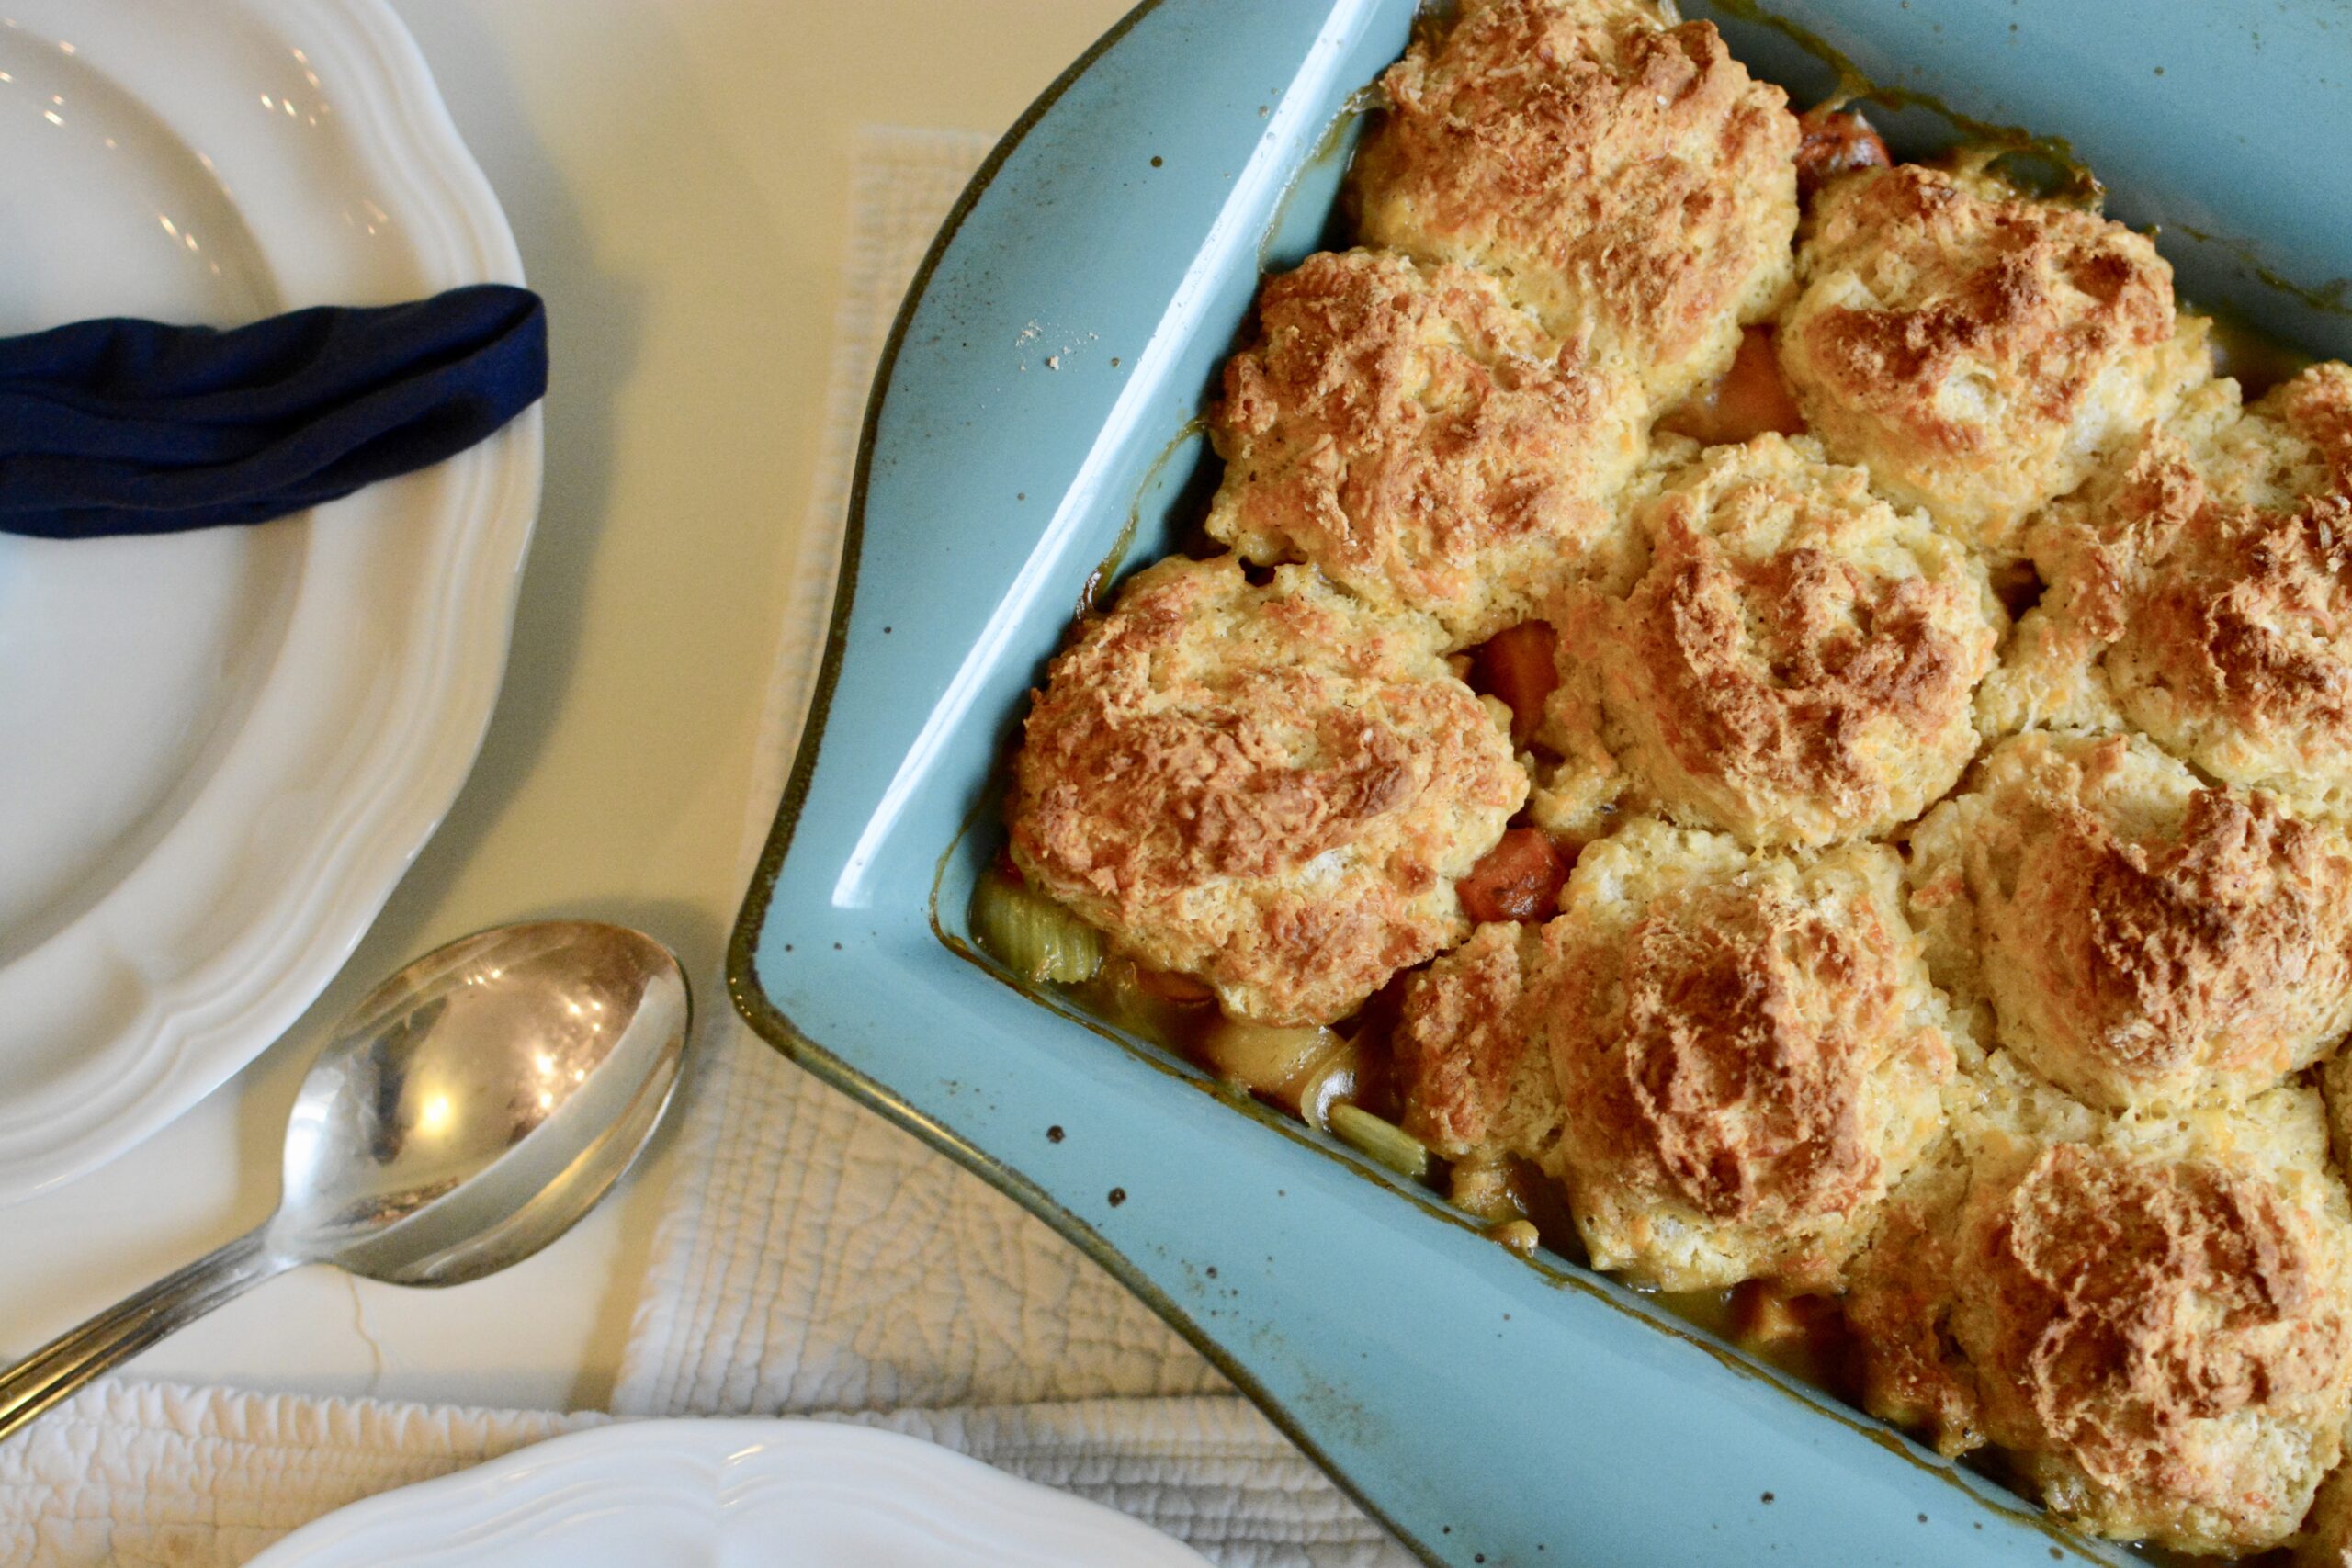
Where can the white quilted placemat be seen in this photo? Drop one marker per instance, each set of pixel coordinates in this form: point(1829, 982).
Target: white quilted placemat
point(154, 1475)
point(816, 1260)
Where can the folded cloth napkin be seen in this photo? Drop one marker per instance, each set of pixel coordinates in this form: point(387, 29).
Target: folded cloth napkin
point(122, 426)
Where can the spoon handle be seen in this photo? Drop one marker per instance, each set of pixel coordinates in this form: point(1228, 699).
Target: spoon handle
point(133, 1324)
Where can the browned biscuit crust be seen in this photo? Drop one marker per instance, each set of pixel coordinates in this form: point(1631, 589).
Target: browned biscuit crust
point(1795, 665)
point(1407, 430)
point(2150, 1315)
point(2141, 939)
point(1272, 788)
point(2112, 1302)
point(2204, 594)
point(1979, 354)
point(1899, 1305)
point(1747, 1051)
point(1626, 181)
point(1474, 1077)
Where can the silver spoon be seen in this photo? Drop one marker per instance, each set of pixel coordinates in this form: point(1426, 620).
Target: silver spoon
point(466, 1114)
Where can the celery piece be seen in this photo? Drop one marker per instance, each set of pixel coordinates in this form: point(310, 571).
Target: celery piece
point(1332, 1080)
point(1383, 1141)
point(1032, 935)
point(1124, 1003)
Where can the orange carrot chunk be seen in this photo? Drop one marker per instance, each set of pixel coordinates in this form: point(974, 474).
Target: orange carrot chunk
point(1519, 879)
point(1750, 399)
point(1753, 399)
point(1516, 666)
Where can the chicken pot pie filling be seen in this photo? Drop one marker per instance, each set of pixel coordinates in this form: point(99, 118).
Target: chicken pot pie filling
point(1765, 717)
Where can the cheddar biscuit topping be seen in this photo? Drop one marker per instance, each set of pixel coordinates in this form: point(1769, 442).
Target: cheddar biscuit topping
point(1271, 788)
point(1628, 182)
point(1408, 431)
point(1980, 352)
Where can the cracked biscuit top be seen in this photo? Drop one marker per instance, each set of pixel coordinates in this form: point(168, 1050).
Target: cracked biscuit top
point(2202, 594)
point(1626, 181)
point(1271, 788)
point(1747, 1051)
point(1980, 352)
point(1407, 429)
point(2149, 1315)
point(1795, 664)
point(2138, 938)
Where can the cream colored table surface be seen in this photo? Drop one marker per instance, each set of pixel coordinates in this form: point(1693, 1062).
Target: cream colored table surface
point(675, 171)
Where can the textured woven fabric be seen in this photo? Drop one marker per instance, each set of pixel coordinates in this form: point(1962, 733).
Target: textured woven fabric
point(817, 1258)
point(139, 1475)
point(122, 426)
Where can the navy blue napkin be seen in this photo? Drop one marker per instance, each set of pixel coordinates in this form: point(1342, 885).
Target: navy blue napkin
point(124, 426)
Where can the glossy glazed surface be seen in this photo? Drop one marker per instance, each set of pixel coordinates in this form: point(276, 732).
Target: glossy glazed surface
point(1389, 1340)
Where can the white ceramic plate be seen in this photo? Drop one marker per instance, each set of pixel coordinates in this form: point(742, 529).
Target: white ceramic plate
point(219, 750)
point(728, 1495)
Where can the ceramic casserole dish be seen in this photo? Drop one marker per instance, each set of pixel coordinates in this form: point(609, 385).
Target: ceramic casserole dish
point(1489, 1410)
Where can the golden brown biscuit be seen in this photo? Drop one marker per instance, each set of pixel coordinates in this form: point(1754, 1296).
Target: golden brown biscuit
point(1749, 1055)
point(2139, 939)
point(2150, 1315)
point(1474, 1077)
point(1980, 353)
point(1627, 182)
point(1795, 665)
point(1271, 788)
point(1407, 430)
point(2202, 592)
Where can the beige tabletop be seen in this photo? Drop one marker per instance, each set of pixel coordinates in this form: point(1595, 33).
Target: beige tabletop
point(675, 171)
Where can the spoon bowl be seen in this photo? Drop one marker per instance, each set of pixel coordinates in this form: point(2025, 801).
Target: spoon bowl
point(471, 1108)
point(467, 1112)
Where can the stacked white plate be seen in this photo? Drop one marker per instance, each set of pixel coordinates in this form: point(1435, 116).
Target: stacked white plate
point(728, 1495)
point(219, 750)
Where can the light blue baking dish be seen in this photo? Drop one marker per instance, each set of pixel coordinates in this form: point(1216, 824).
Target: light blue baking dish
point(1033, 421)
